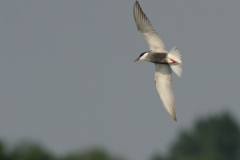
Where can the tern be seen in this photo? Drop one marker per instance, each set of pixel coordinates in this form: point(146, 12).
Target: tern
point(164, 61)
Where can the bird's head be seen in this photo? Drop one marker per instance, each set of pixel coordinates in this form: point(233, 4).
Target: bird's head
point(142, 56)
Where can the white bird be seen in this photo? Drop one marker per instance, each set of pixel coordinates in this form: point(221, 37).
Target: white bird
point(164, 61)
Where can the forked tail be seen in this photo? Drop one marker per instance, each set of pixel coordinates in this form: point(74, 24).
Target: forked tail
point(176, 56)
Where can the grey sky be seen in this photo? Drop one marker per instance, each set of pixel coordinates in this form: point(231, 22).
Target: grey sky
point(68, 80)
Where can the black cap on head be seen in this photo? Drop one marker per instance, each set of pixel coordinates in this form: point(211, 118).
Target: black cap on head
point(142, 54)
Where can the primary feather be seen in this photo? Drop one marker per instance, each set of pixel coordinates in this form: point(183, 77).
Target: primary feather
point(163, 79)
point(145, 28)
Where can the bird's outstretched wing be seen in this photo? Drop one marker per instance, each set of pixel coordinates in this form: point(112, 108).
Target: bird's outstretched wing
point(145, 28)
point(163, 79)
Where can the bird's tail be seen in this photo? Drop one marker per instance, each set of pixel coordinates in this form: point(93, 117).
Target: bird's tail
point(176, 56)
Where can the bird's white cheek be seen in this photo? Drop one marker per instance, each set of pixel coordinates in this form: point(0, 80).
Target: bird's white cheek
point(143, 57)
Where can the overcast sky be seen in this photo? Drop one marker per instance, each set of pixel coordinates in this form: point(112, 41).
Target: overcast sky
point(68, 80)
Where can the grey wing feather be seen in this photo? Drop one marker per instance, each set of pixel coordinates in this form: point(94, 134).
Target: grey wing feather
point(163, 79)
point(145, 28)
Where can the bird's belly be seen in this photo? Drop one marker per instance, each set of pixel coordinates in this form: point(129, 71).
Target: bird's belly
point(162, 61)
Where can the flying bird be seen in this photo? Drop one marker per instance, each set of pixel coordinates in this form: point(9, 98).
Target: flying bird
point(164, 61)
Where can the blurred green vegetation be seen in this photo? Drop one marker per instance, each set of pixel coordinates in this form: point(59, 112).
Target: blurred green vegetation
point(216, 137)
point(91, 154)
point(30, 150)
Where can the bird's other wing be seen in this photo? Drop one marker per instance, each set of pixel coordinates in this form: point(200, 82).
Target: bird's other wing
point(163, 80)
point(145, 28)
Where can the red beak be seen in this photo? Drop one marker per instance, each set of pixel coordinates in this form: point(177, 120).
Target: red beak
point(137, 60)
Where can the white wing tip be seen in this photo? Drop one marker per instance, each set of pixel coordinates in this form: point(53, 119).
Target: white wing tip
point(174, 117)
point(172, 113)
